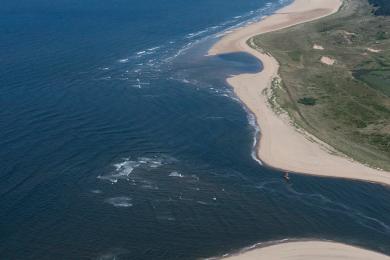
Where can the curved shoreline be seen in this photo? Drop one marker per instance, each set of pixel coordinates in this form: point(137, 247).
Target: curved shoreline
point(281, 145)
point(307, 250)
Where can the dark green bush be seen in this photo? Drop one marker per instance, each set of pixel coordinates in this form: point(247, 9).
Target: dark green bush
point(307, 101)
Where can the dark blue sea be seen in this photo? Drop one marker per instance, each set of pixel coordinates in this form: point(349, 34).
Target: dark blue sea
point(119, 139)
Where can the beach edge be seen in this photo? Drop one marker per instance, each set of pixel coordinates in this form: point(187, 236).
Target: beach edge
point(304, 249)
point(281, 145)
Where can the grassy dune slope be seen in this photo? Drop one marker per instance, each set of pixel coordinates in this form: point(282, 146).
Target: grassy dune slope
point(346, 104)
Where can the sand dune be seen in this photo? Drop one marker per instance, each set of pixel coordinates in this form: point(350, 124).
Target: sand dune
point(327, 60)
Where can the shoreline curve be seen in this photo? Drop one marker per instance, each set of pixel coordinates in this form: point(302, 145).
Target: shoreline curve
point(307, 250)
point(281, 145)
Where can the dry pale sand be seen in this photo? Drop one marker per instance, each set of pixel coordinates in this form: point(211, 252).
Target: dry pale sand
point(318, 47)
point(373, 50)
point(327, 60)
point(309, 250)
point(282, 145)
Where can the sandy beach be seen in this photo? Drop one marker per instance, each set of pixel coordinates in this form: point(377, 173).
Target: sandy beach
point(308, 250)
point(281, 144)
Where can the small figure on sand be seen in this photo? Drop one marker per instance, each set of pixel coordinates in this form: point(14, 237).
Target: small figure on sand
point(286, 176)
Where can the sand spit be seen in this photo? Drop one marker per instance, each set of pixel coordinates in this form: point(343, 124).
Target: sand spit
point(281, 144)
point(309, 250)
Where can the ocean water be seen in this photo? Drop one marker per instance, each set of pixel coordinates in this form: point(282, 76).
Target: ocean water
point(119, 139)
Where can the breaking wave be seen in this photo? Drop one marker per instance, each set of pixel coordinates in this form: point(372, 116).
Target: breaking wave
point(176, 174)
point(124, 169)
point(140, 65)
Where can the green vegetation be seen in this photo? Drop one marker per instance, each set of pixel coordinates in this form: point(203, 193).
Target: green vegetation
point(308, 101)
point(378, 79)
point(346, 104)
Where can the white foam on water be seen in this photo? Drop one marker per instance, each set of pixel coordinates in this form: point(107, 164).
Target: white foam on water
point(151, 162)
point(123, 60)
point(181, 51)
point(224, 33)
point(150, 187)
point(154, 48)
point(167, 52)
point(122, 171)
point(184, 80)
point(137, 83)
point(105, 78)
point(256, 136)
point(248, 18)
point(146, 184)
point(122, 202)
point(176, 174)
point(192, 35)
point(222, 92)
point(125, 169)
point(112, 254)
